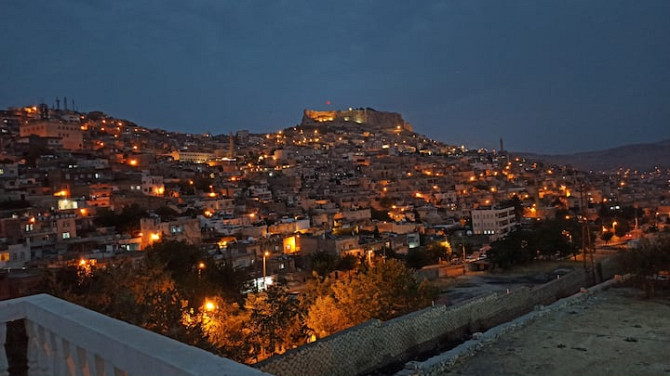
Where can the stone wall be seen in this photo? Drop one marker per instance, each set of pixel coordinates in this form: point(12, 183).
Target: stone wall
point(442, 363)
point(375, 344)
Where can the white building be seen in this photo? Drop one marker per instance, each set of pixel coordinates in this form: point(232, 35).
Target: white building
point(152, 185)
point(494, 222)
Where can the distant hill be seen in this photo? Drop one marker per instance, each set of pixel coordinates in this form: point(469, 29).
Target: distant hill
point(637, 157)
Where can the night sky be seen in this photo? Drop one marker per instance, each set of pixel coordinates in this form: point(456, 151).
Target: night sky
point(547, 76)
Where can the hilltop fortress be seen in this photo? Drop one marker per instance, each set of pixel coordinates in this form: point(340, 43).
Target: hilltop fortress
point(378, 120)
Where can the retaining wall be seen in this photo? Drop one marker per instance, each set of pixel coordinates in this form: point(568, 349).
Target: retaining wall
point(375, 344)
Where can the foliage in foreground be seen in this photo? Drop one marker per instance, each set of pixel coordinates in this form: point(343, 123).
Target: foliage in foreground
point(168, 294)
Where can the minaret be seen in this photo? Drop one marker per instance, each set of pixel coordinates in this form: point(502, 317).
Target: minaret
point(231, 148)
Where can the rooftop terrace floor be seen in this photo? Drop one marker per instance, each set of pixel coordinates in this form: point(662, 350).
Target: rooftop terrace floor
point(614, 332)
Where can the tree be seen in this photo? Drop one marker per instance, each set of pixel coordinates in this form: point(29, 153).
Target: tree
point(397, 289)
point(225, 324)
point(622, 228)
point(515, 201)
point(386, 290)
point(559, 237)
point(603, 211)
point(515, 248)
point(323, 263)
point(437, 251)
point(275, 323)
point(347, 263)
point(607, 236)
point(646, 261)
point(183, 262)
point(416, 258)
point(325, 317)
point(550, 240)
point(143, 295)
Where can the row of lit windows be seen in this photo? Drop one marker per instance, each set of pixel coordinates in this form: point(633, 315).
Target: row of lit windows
point(36, 128)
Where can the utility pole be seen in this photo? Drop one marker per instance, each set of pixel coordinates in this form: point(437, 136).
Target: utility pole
point(465, 265)
point(587, 245)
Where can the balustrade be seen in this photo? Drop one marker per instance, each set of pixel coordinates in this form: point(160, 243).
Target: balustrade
point(66, 339)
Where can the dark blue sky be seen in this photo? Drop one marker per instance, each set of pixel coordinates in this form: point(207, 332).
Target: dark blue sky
point(547, 76)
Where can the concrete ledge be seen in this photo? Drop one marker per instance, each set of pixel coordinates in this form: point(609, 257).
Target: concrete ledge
point(121, 346)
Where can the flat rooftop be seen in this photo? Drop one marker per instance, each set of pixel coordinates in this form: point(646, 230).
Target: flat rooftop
point(613, 332)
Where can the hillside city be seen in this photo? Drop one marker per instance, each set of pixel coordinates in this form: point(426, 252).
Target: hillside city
point(337, 194)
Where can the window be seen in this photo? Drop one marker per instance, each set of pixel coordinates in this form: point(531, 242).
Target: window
point(66, 235)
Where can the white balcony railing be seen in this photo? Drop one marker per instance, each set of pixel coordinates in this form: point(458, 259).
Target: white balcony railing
point(66, 339)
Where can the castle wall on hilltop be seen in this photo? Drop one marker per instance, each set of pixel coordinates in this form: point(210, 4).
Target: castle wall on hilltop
point(375, 119)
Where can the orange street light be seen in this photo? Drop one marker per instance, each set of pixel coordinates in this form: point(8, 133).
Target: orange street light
point(266, 254)
point(201, 266)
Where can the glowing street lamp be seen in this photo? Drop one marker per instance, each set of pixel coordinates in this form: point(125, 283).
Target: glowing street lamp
point(266, 254)
point(201, 266)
